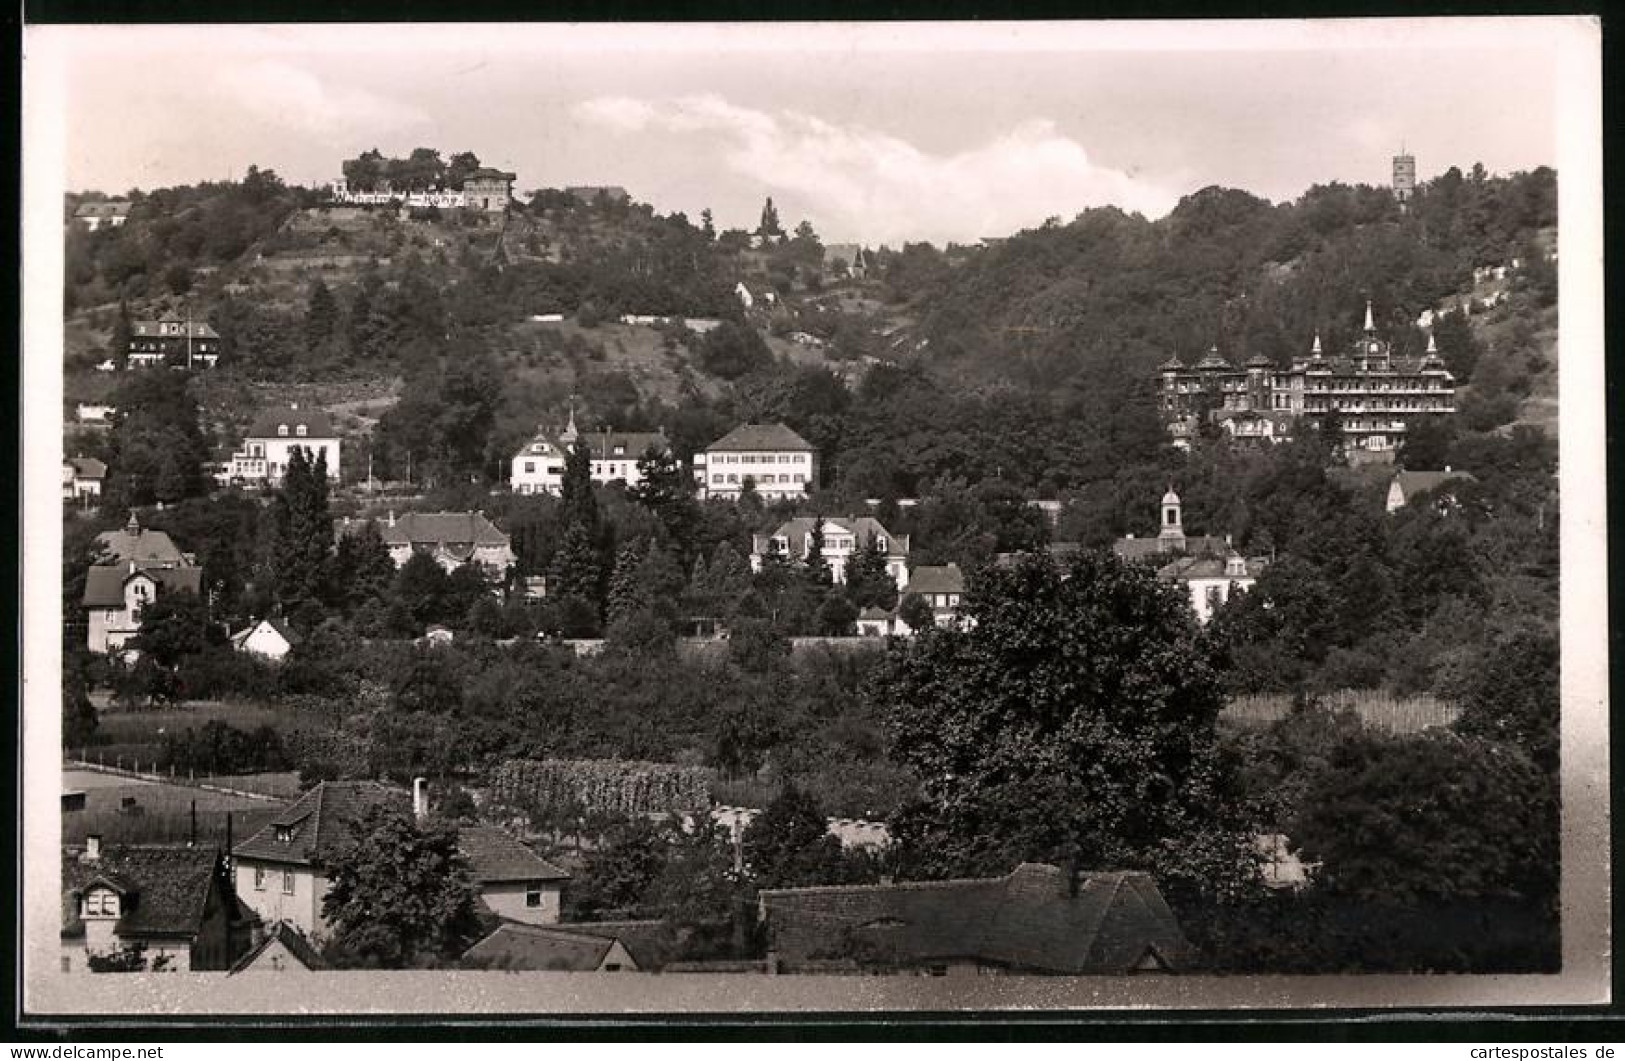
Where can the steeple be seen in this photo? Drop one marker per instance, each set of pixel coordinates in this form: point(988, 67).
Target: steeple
point(1433, 346)
point(1370, 326)
point(570, 432)
point(1173, 527)
point(133, 526)
point(1316, 348)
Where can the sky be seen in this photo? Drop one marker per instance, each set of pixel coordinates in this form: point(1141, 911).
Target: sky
point(878, 133)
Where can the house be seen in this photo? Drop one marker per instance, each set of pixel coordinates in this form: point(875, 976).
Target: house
point(115, 596)
point(1210, 581)
point(1407, 485)
point(435, 636)
point(82, 478)
point(1374, 395)
point(281, 871)
point(532, 948)
point(268, 638)
point(283, 949)
point(94, 414)
point(844, 259)
point(488, 190)
point(452, 538)
point(171, 905)
point(777, 460)
point(538, 468)
point(742, 293)
point(134, 543)
point(843, 537)
point(177, 339)
point(1171, 539)
point(271, 439)
point(110, 213)
point(941, 586)
point(875, 621)
point(1037, 919)
point(515, 882)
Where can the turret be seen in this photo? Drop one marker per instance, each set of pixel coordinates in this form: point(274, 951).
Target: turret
point(1173, 526)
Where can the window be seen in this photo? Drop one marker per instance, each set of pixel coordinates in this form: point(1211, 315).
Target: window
point(801, 458)
point(612, 967)
point(717, 478)
point(533, 894)
point(284, 834)
point(101, 903)
point(733, 478)
point(301, 430)
point(282, 430)
point(620, 451)
point(1215, 596)
point(530, 467)
point(259, 878)
point(287, 882)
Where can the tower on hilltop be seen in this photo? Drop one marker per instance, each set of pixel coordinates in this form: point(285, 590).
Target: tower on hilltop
point(1404, 177)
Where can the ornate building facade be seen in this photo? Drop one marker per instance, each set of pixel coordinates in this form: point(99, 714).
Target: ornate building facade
point(1373, 395)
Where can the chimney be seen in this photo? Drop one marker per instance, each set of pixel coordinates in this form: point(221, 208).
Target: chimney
point(294, 406)
point(420, 798)
point(1447, 469)
point(391, 517)
point(93, 847)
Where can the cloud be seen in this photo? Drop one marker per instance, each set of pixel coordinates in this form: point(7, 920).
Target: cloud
point(291, 96)
point(860, 183)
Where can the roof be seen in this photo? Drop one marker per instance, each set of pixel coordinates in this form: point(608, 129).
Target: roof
point(434, 529)
point(862, 528)
point(86, 467)
point(1420, 482)
point(1191, 545)
point(873, 613)
point(534, 947)
point(944, 578)
point(104, 585)
point(651, 943)
point(486, 173)
point(1025, 920)
point(110, 208)
point(842, 252)
point(316, 422)
point(319, 821)
point(632, 443)
point(278, 625)
point(166, 887)
point(495, 856)
point(1188, 568)
point(145, 547)
point(759, 437)
point(298, 944)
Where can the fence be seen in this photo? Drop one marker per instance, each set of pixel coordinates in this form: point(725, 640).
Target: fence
point(134, 773)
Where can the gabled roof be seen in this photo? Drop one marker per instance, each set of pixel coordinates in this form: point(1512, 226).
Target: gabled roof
point(319, 822)
point(303, 951)
point(486, 173)
point(874, 613)
point(86, 467)
point(316, 422)
point(1420, 482)
point(282, 629)
point(1154, 546)
point(1187, 568)
point(145, 547)
point(104, 584)
point(494, 857)
point(862, 528)
point(110, 208)
point(652, 944)
point(759, 437)
point(429, 530)
point(1024, 921)
point(944, 578)
point(165, 888)
point(535, 947)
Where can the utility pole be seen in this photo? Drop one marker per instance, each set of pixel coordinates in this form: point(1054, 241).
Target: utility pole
point(188, 338)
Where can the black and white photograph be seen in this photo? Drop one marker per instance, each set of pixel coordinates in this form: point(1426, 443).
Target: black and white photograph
point(857, 517)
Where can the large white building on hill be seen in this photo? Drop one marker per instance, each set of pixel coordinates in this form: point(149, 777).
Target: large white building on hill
point(538, 468)
point(776, 460)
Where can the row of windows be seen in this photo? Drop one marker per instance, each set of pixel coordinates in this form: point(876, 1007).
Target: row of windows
point(796, 478)
point(753, 458)
point(287, 880)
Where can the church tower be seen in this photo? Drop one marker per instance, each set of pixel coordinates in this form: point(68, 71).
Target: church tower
point(1173, 525)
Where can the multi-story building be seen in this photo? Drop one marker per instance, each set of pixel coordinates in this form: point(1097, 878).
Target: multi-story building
point(134, 567)
point(82, 479)
point(452, 538)
point(1372, 395)
point(844, 536)
point(488, 190)
point(175, 339)
point(776, 460)
point(1209, 568)
point(270, 441)
point(1404, 178)
point(538, 468)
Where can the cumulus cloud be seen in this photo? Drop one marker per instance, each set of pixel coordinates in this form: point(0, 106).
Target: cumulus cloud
point(862, 183)
point(291, 96)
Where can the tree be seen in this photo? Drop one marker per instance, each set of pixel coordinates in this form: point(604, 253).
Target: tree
point(732, 350)
point(156, 449)
point(789, 844)
point(576, 570)
point(399, 893)
point(118, 347)
point(868, 582)
point(619, 871)
point(769, 226)
point(708, 225)
point(362, 567)
point(1073, 722)
point(666, 489)
point(321, 316)
point(836, 615)
point(420, 588)
point(815, 566)
point(79, 719)
point(303, 532)
point(1514, 695)
point(625, 590)
point(915, 612)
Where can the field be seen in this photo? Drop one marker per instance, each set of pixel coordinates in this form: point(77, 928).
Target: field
point(1377, 709)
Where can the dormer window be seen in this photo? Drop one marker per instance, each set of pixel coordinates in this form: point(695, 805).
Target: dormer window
point(620, 451)
point(284, 834)
point(102, 902)
point(301, 430)
point(282, 430)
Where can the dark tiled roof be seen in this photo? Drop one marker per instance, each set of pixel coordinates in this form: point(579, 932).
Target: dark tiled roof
point(494, 856)
point(316, 422)
point(863, 528)
point(429, 530)
point(632, 444)
point(144, 546)
point(873, 612)
point(87, 467)
point(1420, 482)
point(486, 173)
point(164, 889)
point(759, 437)
point(1187, 568)
point(290, 937)
point(319, 821)
point(104, 585)
point(1024, 921)
point(533, 947)
point(652, 944)
point(946, 578)
point(1150, 548)
point(110, 208)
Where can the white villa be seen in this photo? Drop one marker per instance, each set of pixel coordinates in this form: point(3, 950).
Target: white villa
point(538, 468)
point(778, 461)
point(843, 536)
point(270, 441)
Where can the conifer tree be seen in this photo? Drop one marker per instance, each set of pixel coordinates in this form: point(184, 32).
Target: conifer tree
point(625, 589)
point(815, 566)
point(303, 530)
point(321, 315)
